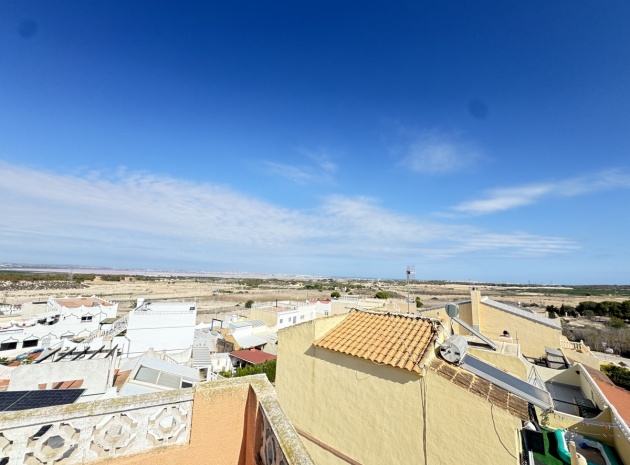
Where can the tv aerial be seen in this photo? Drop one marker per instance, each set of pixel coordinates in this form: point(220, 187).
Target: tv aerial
point(410, 274)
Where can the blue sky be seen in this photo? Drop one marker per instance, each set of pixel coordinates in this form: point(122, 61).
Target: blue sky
point(475, 140)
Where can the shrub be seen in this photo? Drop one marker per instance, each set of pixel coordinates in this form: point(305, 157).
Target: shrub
point(618, 375)
point(335, 295)
point(268, 368)
point(381, 295)
point(617, 322)
point(249, 303)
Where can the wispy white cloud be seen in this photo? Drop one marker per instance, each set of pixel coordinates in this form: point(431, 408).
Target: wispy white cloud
point(502, 199)
point(313, 166)
point(433, 153)
point(139, 216)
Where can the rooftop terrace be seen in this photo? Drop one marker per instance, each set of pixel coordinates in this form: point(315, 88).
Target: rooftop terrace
point(237, 421)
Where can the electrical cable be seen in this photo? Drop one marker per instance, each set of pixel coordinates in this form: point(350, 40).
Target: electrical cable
point(497, 433)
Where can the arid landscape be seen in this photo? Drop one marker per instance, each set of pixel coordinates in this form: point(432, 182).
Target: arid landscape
point(217, 295)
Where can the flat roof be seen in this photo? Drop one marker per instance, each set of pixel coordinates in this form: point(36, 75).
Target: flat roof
point(276, 309)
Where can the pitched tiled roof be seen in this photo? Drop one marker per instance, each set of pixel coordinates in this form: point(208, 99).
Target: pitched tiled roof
point(399, 340)
point(480, 387)
point(253, 356)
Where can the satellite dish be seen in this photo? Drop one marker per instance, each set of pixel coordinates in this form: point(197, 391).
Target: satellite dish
point(452, 310)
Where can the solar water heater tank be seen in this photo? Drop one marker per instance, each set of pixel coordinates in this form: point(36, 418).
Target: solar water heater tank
point(454, 349)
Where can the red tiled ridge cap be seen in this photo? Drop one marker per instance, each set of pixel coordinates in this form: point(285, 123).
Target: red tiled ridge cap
point(399, 340)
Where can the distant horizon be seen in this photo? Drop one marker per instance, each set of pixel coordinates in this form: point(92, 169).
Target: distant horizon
point(86, 269)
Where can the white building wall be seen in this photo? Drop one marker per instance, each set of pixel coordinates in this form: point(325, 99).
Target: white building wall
point(160, 330)
point(219, 363)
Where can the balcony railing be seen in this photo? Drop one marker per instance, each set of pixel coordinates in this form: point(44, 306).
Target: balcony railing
point(577, 346)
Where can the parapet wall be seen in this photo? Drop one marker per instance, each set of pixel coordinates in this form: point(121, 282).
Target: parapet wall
point(236, 421)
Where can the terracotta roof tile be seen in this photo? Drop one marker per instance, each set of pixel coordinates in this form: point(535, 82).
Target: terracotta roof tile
point(481, 388)
point(71, 384)
point(253, 356)
point(399, 340)
point(120, 378)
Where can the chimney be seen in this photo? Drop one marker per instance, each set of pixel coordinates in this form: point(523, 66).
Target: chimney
point(475, 303)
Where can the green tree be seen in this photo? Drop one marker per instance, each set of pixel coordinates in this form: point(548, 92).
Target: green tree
point(335, 294)
point(249, 303)
point(381, 295)
point(584, 307)
point(419, 303)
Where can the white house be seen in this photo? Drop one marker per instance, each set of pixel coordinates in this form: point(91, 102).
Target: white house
point(64, 318)
point(162, 326)
point(278, 315)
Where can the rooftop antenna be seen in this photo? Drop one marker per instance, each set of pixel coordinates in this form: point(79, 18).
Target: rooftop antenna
point(411, 272)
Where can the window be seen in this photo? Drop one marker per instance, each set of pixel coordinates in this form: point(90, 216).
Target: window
point(301, 317)
point(86, 318)
point(161, 378)
point(8, 345)
point(147, 375)
point(169, 380)
point(30, 343)
point(280, 320)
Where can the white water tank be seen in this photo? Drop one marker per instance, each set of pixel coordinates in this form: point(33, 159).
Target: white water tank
point(454, 349)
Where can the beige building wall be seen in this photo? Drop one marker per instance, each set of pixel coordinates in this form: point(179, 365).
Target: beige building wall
point(465, 314)
point(269, 318)
point(373, 413)
point(533, 337)
point(461, 427)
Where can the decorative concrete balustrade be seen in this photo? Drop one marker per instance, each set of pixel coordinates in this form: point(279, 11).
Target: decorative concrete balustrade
point(236, 421)
point(93, 431)
point(577, 346)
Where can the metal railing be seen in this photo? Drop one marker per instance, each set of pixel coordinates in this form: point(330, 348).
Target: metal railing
point(118, 327)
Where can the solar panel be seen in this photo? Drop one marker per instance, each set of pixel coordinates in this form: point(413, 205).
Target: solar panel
point(24, 400)
point(510, 383)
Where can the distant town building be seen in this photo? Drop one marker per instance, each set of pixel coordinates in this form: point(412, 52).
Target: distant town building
point(62, 318)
